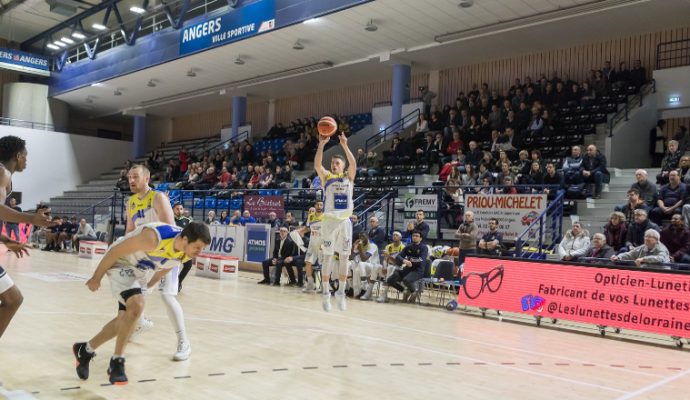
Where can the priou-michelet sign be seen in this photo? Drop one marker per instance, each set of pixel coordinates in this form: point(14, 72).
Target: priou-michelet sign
point(24, 62)
point(237, 24)
point(514, 212)
point(261, 206)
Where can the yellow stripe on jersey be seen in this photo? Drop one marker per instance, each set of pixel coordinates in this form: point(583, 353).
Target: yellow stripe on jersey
point(312, 218)
point(137, 208)
point(392, 248)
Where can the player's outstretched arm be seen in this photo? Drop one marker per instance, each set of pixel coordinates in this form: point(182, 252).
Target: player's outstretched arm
point(318, 160)
point(351, 161)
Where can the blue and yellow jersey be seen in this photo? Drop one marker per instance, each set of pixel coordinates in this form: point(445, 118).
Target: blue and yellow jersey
point(392, 249)
point(141, 211)
point(337, 196)
point(314, 224)
point(163, 257)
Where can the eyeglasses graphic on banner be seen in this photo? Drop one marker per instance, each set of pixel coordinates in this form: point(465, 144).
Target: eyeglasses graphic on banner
point(475, 283)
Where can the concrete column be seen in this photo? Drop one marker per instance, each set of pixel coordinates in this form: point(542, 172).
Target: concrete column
point(239, 113)
point(400, 90)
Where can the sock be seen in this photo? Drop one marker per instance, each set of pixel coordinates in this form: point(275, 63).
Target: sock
point(89, 349)
point(310, 279)
point(175, 315)
point(326, 272)
point(116, 356)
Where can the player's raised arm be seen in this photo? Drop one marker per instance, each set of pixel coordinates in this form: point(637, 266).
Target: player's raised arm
point(318, 159)
point(351, 161)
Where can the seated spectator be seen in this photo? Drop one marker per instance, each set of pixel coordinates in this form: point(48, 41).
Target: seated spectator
point(453, 147)
point(492, 241)
point(648, 255)
point(377, 235)
point(52, 235)
point(422, 124)
point(247, 218)
point(572, 167)
point(637, 228)
point(236, 217)
point(364, 262)
point(646, 189)
point(211, 218)
point(574, 244)
point(290, 222)
point(522, 167)
point(85, 232)
point(594, 169)
point(671, 197)
point(224, 218)
point(469, 178)
point(273, 220)
point(505, 171)
point(284, 252)
point(474, 155)
point(389, 254)
point(412, 259)
point(598, 248)
point(684, 169)
point(638, 75)
point(676, 238)
point(616, 230)
point(669, 162)
point(425, 153)
point(634, 203)
point(508, 186)
point(536, 175)
point(552, 177)
point(467, 233)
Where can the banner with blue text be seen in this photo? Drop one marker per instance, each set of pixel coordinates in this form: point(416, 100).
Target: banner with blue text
point(238, 24)
point(24, 62)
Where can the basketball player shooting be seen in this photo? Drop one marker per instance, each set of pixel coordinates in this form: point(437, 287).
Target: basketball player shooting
point(336, 228)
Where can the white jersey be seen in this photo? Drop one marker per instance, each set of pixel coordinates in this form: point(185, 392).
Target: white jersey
point(338, 190)
point(141, 211)
point(373, 252)
point(314, 224)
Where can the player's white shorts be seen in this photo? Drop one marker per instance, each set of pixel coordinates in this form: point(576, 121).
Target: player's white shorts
point(336, 236)
point(5, 281)
point(314, 253)
point(124, 278)
point(170, 282)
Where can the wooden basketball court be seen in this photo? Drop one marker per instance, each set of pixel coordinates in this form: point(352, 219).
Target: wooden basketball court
point(258, 342)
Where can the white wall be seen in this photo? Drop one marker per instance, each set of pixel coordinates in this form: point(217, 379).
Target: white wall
point(30, 102)
point(58, 162)
point(381, 116)
point(226, 133)
point(629, 146)
point(673, 82)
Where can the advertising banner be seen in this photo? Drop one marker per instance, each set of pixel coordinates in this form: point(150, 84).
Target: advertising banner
point(258, 242)
point(514, 212)
point(237, 24)
point(645, 300)
point(427, 203)
point(226, 241)
point(261, 206)
point(24, 62)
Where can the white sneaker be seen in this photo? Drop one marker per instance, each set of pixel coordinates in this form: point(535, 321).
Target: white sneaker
point(184, 350)
point(367, 294)
point(327, 302)
point(310, 287)
point(143, 325)
point(341, 302)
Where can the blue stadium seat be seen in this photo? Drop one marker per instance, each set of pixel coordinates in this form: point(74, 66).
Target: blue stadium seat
point(198, 203)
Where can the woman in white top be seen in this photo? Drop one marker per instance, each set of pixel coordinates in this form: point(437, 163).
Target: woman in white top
point(422, 124)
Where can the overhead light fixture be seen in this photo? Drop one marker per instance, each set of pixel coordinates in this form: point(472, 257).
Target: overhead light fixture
point(117, 92)
point(59, 43)
point(78, 35)
point(137, 10)
point(371, 27)
point(97, 84)
point(298, 46)
point(151, 83)
point(67, 40)
point(312, 21)
point(191, 73)
point(99, 27)
point(466, 3)
point(239, 61)
point(52, 46)
point(228, 86)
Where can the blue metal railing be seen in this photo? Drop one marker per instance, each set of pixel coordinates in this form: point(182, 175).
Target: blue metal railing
point(537, 236)
point(26, 124)
point(392, 129)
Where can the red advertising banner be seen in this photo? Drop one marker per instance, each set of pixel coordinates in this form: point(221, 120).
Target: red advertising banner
point(261, 206)
point(644, 300)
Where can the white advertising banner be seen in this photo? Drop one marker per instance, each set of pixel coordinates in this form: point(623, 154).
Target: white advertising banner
point(227, 241)
point(514, 212)
point(427, 203)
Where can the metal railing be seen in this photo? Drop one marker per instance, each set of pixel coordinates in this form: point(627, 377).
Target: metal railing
point(630, 103)
point(392, 129)
point(544, 233)
point(244, 135)
point(26, 124)
point(673, 54)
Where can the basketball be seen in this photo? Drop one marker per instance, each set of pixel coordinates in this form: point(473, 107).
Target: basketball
point(327, 126)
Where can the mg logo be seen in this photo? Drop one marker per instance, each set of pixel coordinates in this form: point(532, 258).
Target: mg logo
point(221, 244)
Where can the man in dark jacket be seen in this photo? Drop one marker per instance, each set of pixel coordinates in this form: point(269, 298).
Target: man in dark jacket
point(636, 230)
point(646, 188)
point(412, 259)
point(284, 252)
point(474, 155)
point(598, 248)
point(676, 238)
point(377, 235)
point(594, 169)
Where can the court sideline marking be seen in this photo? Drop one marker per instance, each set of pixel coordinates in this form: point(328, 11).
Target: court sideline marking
point(655, 385)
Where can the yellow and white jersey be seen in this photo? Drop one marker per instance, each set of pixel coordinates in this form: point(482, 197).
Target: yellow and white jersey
point(393, 250)
point(141, 211)
point(314, 224)
point(163, 257)
point(338, 191)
